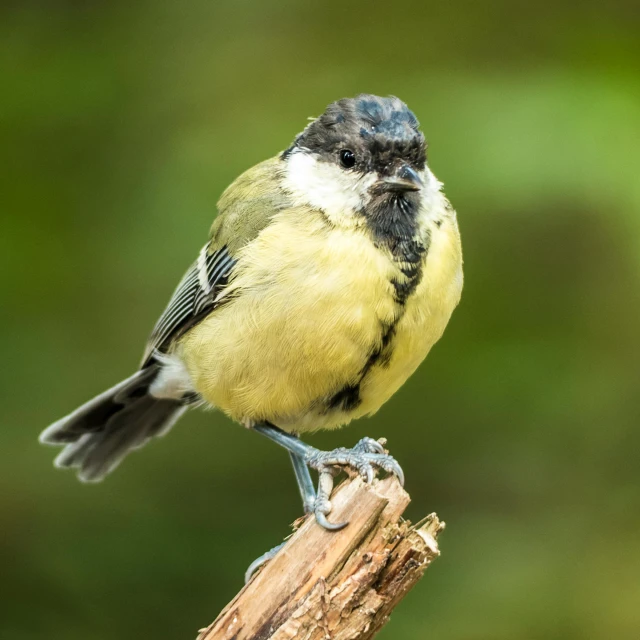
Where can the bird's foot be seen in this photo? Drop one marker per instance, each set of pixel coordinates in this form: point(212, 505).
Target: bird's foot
point(367, 456)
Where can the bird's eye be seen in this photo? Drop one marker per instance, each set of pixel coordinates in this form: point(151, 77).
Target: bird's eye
point(347, 159)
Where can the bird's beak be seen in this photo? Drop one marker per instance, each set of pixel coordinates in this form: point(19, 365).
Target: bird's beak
point(405, 178)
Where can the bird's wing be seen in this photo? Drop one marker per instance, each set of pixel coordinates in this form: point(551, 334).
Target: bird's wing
point(244, 209)
point(194, 297)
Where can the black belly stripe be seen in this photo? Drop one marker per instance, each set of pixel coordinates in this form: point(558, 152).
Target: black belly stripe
point(411, 254)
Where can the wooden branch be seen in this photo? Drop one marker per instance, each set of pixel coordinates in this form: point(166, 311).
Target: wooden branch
point(336, 585)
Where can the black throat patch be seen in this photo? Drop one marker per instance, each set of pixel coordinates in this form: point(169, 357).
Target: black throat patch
point(392, 219)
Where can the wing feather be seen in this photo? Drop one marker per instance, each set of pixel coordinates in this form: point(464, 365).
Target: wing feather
point(195, 295)
point(244, 209)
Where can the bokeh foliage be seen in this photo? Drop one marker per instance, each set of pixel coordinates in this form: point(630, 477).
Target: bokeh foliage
point(120, 124)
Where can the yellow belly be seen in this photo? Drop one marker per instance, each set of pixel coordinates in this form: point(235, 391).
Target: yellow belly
point(303, 315)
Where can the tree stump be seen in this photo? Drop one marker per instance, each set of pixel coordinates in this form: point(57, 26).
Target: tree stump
point(338, 585)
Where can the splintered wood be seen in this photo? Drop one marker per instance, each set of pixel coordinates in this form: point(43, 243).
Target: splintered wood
point(336, 585)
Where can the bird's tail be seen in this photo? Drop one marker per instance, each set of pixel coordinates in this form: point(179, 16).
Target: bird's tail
point(99, 434)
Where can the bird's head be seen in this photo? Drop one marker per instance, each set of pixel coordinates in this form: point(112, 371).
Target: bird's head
point(362, 157)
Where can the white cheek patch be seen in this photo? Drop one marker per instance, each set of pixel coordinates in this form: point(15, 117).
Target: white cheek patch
point(432, 185)
point(432, 198)
point(322, 185)
point(342, 194)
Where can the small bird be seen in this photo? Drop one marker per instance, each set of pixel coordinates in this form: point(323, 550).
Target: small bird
point(330, 272)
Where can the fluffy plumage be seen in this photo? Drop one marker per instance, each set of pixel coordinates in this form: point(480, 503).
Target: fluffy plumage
point(322, 288)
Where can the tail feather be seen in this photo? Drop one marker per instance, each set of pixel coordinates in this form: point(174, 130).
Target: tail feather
point(99, 434)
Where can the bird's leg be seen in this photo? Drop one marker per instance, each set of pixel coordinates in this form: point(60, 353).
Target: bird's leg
point(308, 495)
point(367, 455)
point(305, 483)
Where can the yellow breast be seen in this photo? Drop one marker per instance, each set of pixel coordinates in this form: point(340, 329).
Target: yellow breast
point(304, 313)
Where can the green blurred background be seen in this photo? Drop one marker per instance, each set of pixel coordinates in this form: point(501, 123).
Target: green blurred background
point(121, 123)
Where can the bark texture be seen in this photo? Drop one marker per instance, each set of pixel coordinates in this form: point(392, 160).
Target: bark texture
point(336, 585)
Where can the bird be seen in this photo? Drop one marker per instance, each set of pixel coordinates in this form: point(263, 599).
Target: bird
point(330, 271)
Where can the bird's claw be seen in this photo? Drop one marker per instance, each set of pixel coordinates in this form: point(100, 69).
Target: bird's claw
point(321, 519)
point(369, 445)
point(322, 505)
point(262, 560)
point(365, 457)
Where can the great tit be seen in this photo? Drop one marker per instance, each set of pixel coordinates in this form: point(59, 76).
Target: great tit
point(329, 273)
